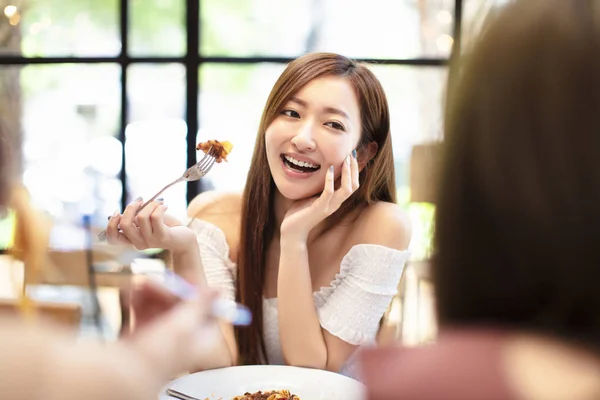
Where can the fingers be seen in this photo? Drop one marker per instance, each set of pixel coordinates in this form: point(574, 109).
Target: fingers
point(112, 229)
point(145, 228)
point(143, 219)
point(113, 235)
point(346, 186)
point(128, 226)
point(151, 224)
point(145, 291)
point(157, 221)
point(329, 182)
point(328, 190)
point(346, 178)
point(123, 239)
point(354, 171)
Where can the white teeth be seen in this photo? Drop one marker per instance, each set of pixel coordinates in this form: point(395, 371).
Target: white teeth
point(300, 163)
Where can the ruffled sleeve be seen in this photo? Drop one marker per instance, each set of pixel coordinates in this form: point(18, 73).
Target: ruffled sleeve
point(214, 252)
point(353, 305)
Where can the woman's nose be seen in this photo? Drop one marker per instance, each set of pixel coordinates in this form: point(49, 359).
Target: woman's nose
point(303, 141)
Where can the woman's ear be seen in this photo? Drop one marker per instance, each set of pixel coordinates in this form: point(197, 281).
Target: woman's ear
point(366, 154)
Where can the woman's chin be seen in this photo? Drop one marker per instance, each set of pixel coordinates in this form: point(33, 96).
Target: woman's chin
point(294, 193)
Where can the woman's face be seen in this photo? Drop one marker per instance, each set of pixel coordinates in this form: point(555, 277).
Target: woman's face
point(318, 127)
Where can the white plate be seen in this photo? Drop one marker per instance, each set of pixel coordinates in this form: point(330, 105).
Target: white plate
point(308, 384)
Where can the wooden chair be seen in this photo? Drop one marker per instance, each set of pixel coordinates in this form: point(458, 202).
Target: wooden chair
point(67, 315)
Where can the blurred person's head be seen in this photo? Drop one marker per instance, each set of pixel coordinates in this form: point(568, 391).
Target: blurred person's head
point(321, 108)
point(518, 211)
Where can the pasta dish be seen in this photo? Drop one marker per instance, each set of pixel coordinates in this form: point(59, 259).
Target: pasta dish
point(271, 395)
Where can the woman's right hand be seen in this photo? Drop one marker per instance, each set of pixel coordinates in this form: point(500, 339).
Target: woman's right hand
point(151, 228)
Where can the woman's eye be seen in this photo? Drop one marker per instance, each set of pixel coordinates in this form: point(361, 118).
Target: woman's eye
point(335, 125)
point(291, 113)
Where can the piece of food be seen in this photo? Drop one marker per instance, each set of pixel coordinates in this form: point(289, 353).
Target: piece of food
point(220, 150)
point(272, 395)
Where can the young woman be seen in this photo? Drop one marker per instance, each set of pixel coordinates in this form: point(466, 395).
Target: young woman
point(316, 245)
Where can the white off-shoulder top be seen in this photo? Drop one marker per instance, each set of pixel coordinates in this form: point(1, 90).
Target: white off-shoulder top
point(349, 308)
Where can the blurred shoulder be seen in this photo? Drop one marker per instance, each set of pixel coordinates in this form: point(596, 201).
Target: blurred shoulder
point(385, 224)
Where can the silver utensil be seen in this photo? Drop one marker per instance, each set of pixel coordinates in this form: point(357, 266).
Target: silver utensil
point(179, 395)
point(221, 308)
point(193, 173)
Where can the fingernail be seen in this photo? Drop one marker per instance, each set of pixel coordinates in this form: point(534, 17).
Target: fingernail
point(354, 153)
point(160, 200)
point(113, 215)
point(138, 199)
point(232, 312)
point(331, 169)
point(348, 160)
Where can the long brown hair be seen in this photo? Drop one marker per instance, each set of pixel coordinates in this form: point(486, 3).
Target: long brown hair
point(377, 181)
point(518, 211)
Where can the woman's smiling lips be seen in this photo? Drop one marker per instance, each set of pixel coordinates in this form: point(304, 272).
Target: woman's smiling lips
point(290, 158)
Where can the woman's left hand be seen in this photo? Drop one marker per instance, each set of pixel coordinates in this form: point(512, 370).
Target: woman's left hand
point(305, 214)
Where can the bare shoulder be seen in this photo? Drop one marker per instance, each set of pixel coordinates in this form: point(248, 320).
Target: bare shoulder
point(214, 203)
point(222, 210)
point(385, 224)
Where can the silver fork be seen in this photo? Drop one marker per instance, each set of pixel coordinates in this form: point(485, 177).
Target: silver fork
point(179, 395)
point(193, 173)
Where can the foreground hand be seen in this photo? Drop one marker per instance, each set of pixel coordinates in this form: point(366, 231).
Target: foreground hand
point(151, 228)
point(171, 334)
point(304, 215)
point(148, 301)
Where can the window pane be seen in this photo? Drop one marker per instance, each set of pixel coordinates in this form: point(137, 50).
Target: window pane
point(474, 15)
point(377, 29)
point(62, 27)
point(157, 27)
point(232, 98)
point(155, 145)
point(415, 96)
point(71, 158)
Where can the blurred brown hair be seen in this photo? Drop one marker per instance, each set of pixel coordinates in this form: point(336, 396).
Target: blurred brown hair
point(377, 182)
point(518, 216)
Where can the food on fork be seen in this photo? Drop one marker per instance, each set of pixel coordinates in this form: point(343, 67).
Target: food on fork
point(272, 395)
point(220, 150)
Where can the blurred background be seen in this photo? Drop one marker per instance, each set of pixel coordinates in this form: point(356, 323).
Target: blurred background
point(108, 98)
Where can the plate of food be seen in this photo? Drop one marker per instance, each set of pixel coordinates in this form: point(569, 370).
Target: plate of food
point(266, 382)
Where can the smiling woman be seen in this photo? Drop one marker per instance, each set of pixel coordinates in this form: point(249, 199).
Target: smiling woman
point(316, 245)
